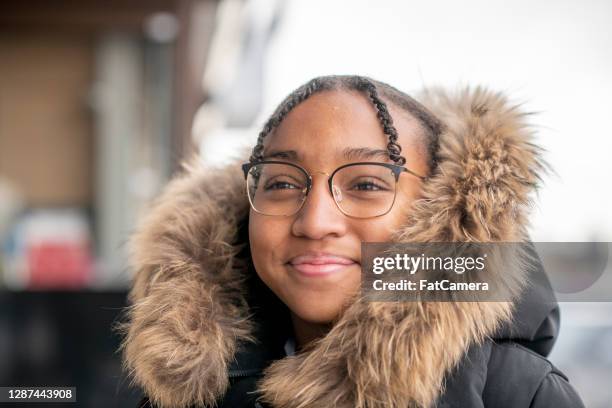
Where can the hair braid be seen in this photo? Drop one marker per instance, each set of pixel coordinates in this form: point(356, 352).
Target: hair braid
point(297, 97)
point(431, 125)
point(386, 121)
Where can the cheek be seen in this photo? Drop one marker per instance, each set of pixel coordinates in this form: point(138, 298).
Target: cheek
point(382, 228)
point(266, 238)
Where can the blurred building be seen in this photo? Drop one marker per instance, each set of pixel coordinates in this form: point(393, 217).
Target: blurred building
point(96, 106)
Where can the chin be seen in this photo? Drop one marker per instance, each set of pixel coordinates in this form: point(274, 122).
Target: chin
point(321, 311)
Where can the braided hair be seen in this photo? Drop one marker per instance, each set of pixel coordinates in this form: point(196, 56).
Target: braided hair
point(376, 92)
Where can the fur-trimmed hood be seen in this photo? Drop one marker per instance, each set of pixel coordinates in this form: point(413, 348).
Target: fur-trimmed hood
point(189, 315)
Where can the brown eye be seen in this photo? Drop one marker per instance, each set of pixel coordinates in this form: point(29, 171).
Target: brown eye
point(368, 184)
point(280, 185)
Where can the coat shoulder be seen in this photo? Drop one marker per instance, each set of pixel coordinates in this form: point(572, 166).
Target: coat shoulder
point(520, 377)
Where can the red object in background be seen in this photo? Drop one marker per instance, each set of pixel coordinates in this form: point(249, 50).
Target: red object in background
point(59, 265)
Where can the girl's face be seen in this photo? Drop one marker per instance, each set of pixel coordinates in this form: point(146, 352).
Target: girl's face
point(311, 260)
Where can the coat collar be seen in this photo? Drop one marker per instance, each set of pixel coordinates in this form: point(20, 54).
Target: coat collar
point(189, 314)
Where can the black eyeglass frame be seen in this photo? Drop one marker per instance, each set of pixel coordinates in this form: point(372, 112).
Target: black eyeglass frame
point(395, 168)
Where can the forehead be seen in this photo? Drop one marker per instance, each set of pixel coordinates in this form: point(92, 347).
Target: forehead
point(328, 125)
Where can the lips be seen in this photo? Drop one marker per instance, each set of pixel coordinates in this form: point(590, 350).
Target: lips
point(320, 264)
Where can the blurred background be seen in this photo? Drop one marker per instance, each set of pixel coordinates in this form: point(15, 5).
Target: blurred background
point(101, 101)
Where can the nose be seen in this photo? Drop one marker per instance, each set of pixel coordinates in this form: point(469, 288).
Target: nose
point(319, 217)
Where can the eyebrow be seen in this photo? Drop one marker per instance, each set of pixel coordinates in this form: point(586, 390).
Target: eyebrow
point(364, 153)
point(349, 153)
point(282, 154)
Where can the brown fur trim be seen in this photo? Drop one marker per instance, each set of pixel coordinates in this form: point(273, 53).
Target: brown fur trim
point(188, 312)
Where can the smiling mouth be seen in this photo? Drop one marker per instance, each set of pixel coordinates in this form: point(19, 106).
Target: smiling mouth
point(320, 265)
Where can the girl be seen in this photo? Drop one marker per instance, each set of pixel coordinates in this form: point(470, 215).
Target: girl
point(247, 281)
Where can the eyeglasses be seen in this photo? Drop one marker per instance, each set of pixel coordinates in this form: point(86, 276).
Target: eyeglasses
point(360, 190)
